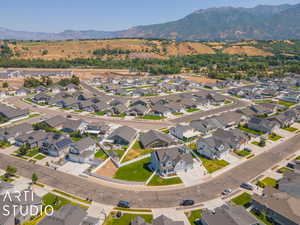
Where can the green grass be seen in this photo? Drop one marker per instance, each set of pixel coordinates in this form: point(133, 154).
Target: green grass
point(9, 180)
point(264, 101)
point(4, 144)
point(177, 113)
point(136, 151)
point(248, 130)
point(100, 155)
point(40, 157)
point(166, 131)
point(242, 199)
point(126, 219)
point(274, 137)
point(298, 158)
point(33, 152)
point(193, 216)
point(192, 110)
point(57, 202)
point(257, 143)
point(121, 115)
point(120, 153)
point(136, 171)
point(100, 113)
point(72, 196)
point(158, 181)
point(290, 129)
point(213, 165)
point(261, 218)
point(226, 102)
point(132, 210)
point(284, 170)
point(152, 117)
point(267, 182)
point(243, 153)
point(286, 104)
point(39, 185)
point(75, 138)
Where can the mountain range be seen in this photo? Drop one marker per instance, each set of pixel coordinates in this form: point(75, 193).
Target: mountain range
point(226, 23)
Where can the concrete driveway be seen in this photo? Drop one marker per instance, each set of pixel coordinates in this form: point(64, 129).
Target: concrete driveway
point(74, 168)
point(192, 176)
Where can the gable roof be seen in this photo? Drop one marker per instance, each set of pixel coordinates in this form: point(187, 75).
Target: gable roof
point(154, 135)
point(84, 143)
point(55, 121)
point(126, 133)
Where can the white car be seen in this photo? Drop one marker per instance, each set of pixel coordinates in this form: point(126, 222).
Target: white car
point(226, 192)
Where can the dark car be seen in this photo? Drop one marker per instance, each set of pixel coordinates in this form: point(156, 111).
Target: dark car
point(69, 116)
point(124, 204)
point(187, 202)
point(247, 186)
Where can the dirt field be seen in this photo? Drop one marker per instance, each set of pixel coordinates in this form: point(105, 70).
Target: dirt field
point(200, 79)
point(108, 170)
point(84, 49)
point(246, 50)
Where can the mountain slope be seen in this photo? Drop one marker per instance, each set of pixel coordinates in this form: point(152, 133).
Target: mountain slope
point(225, 23)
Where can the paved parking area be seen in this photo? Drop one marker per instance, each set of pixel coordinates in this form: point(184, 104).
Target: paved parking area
point(193, 176)
point(74, 168)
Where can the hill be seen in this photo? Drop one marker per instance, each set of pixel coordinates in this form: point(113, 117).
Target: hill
point(226, 23)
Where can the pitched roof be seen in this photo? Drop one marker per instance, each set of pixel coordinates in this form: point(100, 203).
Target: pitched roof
point(153, 135)
point(127, 133)
point(84, 143)
point(55, 121)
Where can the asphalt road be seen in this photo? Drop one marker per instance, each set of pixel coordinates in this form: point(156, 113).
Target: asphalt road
point(108, 194)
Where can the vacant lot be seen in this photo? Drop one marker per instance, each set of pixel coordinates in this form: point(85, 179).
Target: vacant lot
point(108, 170)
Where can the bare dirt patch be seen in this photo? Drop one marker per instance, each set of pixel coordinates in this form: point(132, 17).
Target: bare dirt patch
point(246, 50)
point(107, 170)
point(200, 79)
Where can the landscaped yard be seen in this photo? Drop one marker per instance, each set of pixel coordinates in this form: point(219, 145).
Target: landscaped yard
point(248, 130)
point(243, 153)
point(158, 181)
point(4, 144)
point(267, 182)
point(192, 110)
point(177, 114)
point(136, 151)
point(100, 155)
point(137, 171)
point(125, 219)
point(284, 170)
point(242, 200)
point(151, 117)
point(290, 129)
point(213, 165)
point(33, 152)
point(72, 196)
point(274, 137)
point(193, 216)
point(100, 113)
point(40, 157)
point(286, 104)
point(57, 202)
point(257, 143)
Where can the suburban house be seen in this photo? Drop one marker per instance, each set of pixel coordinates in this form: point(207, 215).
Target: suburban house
point(235, 138)
point(161, 220)
point(138, 110)
point(55, 122)
point(184, 132)
point(290, 183)
point(8, 134)
point(160, 110)
point(33, 139)
point(228, 215)
point(96, 128)
point(291, 96)
point(74, 126)
point(279, 207)
point(18, 202)
point(10, 113)
point(71, 88)
point(41, 98)
point(167, 162)
point(82, 151)
point(69, 214)
point(123, 135)
point(285, 119)
point(264, 108)
point(22, 92)
point(262, 125)
point(156, 139)
point(212, 148)
point(56, 145)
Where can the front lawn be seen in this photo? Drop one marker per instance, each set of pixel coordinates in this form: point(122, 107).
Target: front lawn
point(177, 114)
point(267, 182)
point(126, 219)
point(151, 117)
point(274, 137)
point(137, 171)
point(243, 153)
point(213, 165)
point(194, 216)
point(100, 113)
point(284, 170)
point(40, 157)
point(33, 152)
point(258, 144)
point(290, 129)
point(158, 181)
point(4, 144)
point(248, 130)
point(136, 151)
point(100, 155)
point(192, 110)
point(243, 199)
point(286, 104)
point(57, 202)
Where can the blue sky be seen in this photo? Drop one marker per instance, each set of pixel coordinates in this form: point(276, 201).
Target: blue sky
point(58, 15)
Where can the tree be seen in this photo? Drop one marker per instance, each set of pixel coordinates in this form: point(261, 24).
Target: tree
point(10, 171)
point(5, 85)
point(24, 149)
point(75, 80)
point(34, 178)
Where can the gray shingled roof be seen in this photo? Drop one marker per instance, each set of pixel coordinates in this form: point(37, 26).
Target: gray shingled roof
point(154, 135)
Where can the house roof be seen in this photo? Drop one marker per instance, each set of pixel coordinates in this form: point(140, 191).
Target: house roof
point(15, 130)
point(72, 124)
point(126, 133)
point(154, 135)
point(11, 113)
point(84, 143)
point(280, 202)
point(229, 215)
point(163, 220)
point(55, 121)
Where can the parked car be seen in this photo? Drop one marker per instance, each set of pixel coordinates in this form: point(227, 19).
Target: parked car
point(69, 116)
point(291, 165)
point(247, 186)
point(226, 192)
point(187, 202)
point(248, 149)
point(124, 204)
